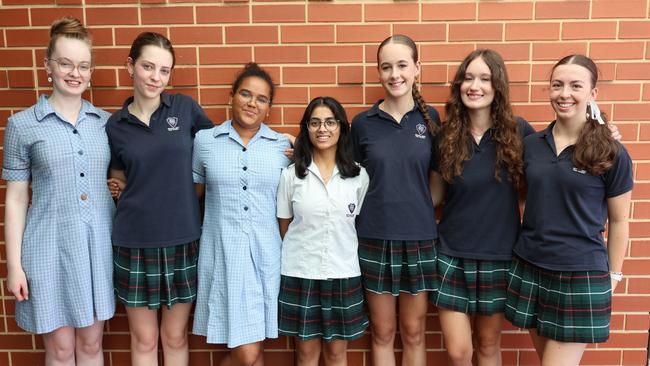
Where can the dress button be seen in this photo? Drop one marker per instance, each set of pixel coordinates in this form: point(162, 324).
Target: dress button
point(245, 168)
point(75, 131)
point(245, 208)
point(84, 197)
point(244, 187)
point(82, 175)
point(244, 149)
point(80, 152)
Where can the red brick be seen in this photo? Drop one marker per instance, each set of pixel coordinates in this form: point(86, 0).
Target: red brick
point(616, 50)
point(344, 94)
point(215, 76)
point(110, 56)
point(185, 55)
point(45, 16)
point(110, 97)
point(505, 10)
point(104, 78)
point(535, 113)
point(225, 55)
point(14, 18)
point(252, 34)
point(614, 9)
point(633, 71)
point(639, 286)
point(21, 78)
point(562, 9)
point(350, 74)
point(291, 95)
point(475, 32)
point(555, 51)
point(634, 357)
point(532, 31)
point(183, 76)
point(449, 12)
point(112, 1)
point(222, 14)
point(422, 32)
point(518, 72)
point(278, 13)
point(25, 2)
point(619, 92)
point(307, 33)
point(588, 30)
point(600, 357)
point(167, 15)
point(16, 341)
point(333, 12)
point(628, 339)
point(362, 33)
point(445, 52)
point(634, 29)
point(35, 358)
point(632, 112)
point(309, 75)
point(196, 35)
point(509, 51)
point(126, 35)
point(391, 12)
point(20, 58)
point(433, 74)
point(281, 54)
point(27, 37)
point(641, 191)
point(17, 98)
point(111, 16)
point(335, 54)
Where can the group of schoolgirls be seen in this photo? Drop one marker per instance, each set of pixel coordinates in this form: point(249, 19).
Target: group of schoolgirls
point(346, 235)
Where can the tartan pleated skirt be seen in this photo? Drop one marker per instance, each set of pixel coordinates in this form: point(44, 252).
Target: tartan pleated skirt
point(155, 277)
point(394, 266)
point(561, 305)
point(321, 309)
point(471, 286)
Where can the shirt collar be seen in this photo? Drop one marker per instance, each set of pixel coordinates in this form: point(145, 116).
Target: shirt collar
point(375, 110)
point(227, 128)
point(313, 168)
point(44, 108)
point(165, 99)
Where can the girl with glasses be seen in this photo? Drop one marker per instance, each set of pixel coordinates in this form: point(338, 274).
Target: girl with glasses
point(319, 197)
point(58, 249)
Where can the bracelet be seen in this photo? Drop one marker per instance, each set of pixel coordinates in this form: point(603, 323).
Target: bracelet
point(616, 276)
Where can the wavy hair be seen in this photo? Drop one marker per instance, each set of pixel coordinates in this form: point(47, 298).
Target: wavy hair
point(595, 149)
point(304, 149)
point(456, 137)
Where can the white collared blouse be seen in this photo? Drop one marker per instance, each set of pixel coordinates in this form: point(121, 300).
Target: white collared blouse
point(321, 242)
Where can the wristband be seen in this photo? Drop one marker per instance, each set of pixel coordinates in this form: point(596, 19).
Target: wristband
point(616, 276)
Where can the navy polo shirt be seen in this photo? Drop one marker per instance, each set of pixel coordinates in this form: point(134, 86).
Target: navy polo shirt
point(397, 157)
point(480, 218)
point(158, 207)
point(566, 207)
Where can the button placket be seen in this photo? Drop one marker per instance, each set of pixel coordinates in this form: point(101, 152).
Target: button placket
point(243, 190)
point(81, 166)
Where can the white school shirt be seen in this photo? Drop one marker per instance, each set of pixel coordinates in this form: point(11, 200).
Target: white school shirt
point(321, 242)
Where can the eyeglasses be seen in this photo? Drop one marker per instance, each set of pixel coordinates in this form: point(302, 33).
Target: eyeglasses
point(259, 100)
point(67, 66)
point(330, 124)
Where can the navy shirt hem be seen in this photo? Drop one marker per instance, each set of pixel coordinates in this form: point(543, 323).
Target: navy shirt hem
point(155, 245)
point(474, 256)
point(564, 268)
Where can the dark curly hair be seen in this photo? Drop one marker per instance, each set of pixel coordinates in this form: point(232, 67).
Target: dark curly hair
point(252, 69)
point(304, 149)
point(456, 138)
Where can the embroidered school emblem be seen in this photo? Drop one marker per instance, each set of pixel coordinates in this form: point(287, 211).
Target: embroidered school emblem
point(420, 130)
point(172, 122)
point(351, 207)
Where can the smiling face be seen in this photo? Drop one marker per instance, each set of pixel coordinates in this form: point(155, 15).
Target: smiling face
point(476, 90)
point(74, 54)
point(397, 70)
point(151, 72)
point(324, 137)
point(570, 92)
point(251, 103)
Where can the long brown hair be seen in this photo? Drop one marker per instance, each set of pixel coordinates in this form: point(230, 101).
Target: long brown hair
point(595, 149)
point(456, 138)
point(417, 97)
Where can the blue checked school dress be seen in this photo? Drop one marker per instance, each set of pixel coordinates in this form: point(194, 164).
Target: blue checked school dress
point(240, 249)
point(66, 246)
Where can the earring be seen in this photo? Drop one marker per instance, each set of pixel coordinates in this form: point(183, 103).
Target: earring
point(131, 76)
point(89, 83)
point(49, 79)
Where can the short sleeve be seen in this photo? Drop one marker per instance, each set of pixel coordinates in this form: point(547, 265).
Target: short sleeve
point(285, 193)
point(363, 188)
point(17, 162)
point(356, 138)
point(524, 127)
point(200, 120)
point(618, 179)
point(198, 168)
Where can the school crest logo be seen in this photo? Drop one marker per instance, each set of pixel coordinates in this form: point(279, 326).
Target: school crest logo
point(172, 122)
point(351, 208)
point(420, 131)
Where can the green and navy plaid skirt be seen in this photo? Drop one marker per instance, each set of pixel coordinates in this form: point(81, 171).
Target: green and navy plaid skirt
point(394, 266)
point(156, 276)
point(321, 309)
point(564, 306)
point(470, 286)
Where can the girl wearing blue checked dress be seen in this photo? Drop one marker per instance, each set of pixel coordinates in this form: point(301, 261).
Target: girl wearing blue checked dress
point(238, 165)
point(563, 275)
point(58, 249)
point(319, 197)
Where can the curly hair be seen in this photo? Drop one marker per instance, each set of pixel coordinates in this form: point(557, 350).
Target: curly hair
point(417, 97)
point(456, 138)
point(595, 149)
point(304, 149)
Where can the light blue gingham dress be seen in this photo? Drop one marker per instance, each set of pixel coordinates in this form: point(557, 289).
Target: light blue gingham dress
point(240, 250)
point(66, 246)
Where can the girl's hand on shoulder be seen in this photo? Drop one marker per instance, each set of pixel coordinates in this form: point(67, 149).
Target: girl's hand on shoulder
point(616, 134)
point(17, 284)
point(115, 186)
point(289, 151)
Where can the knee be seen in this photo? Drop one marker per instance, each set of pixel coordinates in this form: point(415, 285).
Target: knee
point(144, 343)
point(307, 354)
point(335, 355)
point(61, 352)
point(459, 354)
point(413, 333)
point(488, 344)
point(174, 340)
point(89, 346)
point(383, 334)
point(247, 358)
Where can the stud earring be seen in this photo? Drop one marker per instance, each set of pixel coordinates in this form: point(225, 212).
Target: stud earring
point(49, 79)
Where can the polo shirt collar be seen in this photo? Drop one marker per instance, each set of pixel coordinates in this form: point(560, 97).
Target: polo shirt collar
point(43, 108)
point(375, 110)
point(547, 135)
point(227, 128)
point(313, 168)
point(165, 99)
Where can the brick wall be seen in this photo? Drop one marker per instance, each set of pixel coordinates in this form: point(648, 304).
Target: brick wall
point(328, 48)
